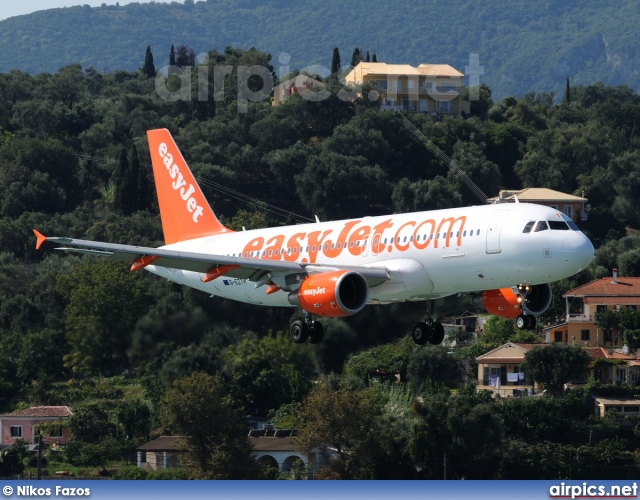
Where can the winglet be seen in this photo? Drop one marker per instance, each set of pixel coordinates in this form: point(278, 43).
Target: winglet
point(184, 210)
point(40, 238)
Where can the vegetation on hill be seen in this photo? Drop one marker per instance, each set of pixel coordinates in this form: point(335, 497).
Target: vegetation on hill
point(523, 46)
point(74, 162)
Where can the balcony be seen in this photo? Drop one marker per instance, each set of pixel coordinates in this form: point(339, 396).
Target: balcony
point(580, 318)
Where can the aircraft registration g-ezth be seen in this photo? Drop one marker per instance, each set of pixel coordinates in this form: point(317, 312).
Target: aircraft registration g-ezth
point(500, 258)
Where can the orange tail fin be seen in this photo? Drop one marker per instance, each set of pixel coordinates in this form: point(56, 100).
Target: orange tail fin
point(184, 210)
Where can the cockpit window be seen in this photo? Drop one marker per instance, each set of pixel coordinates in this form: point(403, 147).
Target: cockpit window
point(527, 228)
point(571, 223)
point(558, 225)
point(541, 226)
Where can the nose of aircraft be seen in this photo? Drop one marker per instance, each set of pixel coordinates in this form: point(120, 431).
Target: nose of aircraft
point(577, 249)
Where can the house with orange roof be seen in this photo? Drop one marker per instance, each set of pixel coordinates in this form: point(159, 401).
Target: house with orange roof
point(582, 304)
point(21, 424)
point(428, 88)
point(499, 369)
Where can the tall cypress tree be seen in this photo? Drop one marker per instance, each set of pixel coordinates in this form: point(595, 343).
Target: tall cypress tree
point(567, 92)
point(368, 58)
point(120, 180)
point(374, 58)
point(356, 57)
point(133, 181)
point(144, 189)
point(149, 69)
point(172, 57)
point(335, 61)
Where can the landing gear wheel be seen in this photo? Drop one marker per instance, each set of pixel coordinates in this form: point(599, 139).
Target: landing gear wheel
point(531, 323)
point(299, 332)
point(522, 321)
point(421, 333)
point(438, 334)
point(316, 333)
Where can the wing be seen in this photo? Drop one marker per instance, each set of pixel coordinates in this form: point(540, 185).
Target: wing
point(213, 266)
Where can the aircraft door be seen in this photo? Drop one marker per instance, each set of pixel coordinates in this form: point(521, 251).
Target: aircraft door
point(494, 229)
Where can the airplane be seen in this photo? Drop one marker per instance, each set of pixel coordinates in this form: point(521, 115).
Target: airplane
point(500, 258)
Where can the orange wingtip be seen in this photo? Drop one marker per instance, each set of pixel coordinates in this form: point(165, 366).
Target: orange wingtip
point(40, 238)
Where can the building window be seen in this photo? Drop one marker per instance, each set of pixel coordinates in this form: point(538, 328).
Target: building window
point(381, 84)
point(557, 336)
point(568, 210)
point(56, 433)
point(632, 307)
point(584, 335)
point(555, 207)
point(601, 308)
point(16, 431)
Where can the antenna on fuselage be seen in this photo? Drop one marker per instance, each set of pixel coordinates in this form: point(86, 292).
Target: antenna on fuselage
point(441, 155)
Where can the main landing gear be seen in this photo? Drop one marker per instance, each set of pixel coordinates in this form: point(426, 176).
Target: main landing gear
point(526, 322)
point(428, 331)
point(307, 329)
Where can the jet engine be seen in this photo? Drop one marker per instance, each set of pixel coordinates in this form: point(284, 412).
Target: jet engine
point(332, 294)
point(510, 303)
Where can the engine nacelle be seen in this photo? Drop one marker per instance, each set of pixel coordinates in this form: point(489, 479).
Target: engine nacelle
point(509, 304)
point(332, 294)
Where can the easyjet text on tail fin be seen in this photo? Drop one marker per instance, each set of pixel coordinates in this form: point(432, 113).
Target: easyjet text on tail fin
point(184, 210)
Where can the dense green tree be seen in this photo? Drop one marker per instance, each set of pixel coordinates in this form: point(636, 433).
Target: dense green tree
point(104, 302)
point(215, 433)
point(172, 56)
point(497, 331)
point(185, 56)
point(12, 460)
point(387, 359)
point(433, 366)
point(91, 422)
point(555, 365)
point(324, 184)
point(268, 372)
point(343, 419)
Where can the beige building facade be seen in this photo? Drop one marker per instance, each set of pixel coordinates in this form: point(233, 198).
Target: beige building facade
point(428, 88)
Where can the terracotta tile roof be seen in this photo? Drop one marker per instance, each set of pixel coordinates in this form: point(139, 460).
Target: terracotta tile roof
point(596, 352)
point(612, 301)
point(42, 411)
point(604, 287)
point(162, 443)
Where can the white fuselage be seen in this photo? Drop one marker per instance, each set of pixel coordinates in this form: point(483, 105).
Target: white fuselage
point(428, 254)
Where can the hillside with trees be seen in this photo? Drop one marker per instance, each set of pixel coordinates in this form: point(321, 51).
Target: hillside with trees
point(125, 348)
point(523, 46)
